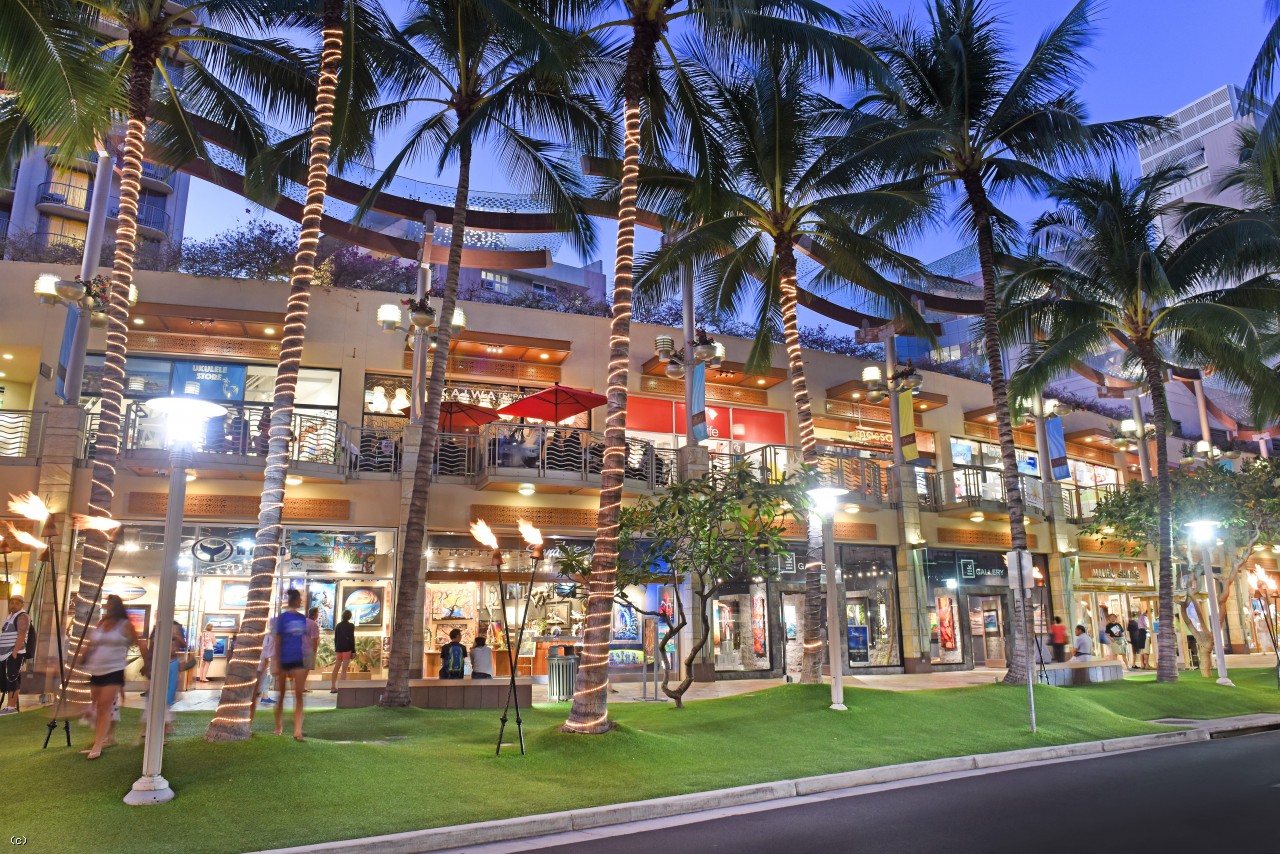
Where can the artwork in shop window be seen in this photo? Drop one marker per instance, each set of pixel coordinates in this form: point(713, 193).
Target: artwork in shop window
point(220, 646)
point(140, 618)
point(234, 595)
point(991, 622)
point(366, 602)
point(322, 595)
point(946, 622)
point(223, 622)
point(789, 622)
point(442, 630)
point(515, 592)
point(626, 626)
point(453, 602)
point(758, 631)
point(327, 551)
point(859, 645)
point(126, 591)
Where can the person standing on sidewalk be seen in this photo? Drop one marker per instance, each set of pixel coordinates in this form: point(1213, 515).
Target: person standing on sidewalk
point(1058, 640)
point(1114, 638)
point(14, 637)
point(107, 655)
point(290, 660)
point(208, 640)
point(1137, 640)
point(344, 646)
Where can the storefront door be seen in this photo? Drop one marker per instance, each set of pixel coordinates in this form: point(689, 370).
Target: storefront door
point(987, 629)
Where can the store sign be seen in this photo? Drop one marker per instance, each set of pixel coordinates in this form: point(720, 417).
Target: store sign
point(972, 573)
point(213, 550)
point(1107, 573)
point(216, 382)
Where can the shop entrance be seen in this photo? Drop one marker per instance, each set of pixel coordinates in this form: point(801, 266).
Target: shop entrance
point(987, 629)
point(1092, 608)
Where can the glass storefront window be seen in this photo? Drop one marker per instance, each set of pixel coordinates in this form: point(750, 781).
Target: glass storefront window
point(871, 606)
point(740, 628)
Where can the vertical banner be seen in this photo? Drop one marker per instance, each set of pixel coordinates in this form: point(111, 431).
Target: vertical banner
point(698, 400)
point(64, 358)
point(907, 427)
point(1057, 441)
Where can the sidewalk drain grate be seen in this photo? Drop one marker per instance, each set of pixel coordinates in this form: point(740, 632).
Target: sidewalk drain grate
point(1176, 721)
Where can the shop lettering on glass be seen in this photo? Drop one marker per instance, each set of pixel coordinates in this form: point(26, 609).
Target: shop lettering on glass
point(970, 571)
point(1114, 573)
point(218, 381)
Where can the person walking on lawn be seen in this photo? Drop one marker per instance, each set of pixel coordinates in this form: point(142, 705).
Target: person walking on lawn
point(292, 640)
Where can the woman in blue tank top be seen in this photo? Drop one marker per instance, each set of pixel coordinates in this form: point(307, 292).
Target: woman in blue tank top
point(292, 640)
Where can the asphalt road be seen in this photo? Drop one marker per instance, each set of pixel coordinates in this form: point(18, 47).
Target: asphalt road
point(1208, 797)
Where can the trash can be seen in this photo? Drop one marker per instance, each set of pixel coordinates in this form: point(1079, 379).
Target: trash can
point(562, 676)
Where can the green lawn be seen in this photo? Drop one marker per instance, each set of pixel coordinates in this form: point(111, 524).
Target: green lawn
point(437, 767)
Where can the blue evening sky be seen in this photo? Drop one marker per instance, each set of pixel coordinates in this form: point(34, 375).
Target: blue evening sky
point(1150, 57)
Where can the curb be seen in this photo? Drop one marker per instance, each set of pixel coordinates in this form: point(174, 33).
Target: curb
point(505, 830)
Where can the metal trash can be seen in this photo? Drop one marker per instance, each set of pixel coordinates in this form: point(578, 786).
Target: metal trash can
point(562, 677)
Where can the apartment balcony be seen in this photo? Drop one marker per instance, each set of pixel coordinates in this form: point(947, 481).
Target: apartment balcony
point(965, 491)
point(233, 446)
point(1077, 504)
point(72, 202)
point(4, 224)
point(157, 177)
point(21, 434)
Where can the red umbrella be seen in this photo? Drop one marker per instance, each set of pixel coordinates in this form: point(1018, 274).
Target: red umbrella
point(458, 417)
point(554, 404)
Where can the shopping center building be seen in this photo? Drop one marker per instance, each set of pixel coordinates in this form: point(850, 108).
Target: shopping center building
point(921, 550)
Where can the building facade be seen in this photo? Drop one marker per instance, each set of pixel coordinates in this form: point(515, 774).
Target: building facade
point(921, 548)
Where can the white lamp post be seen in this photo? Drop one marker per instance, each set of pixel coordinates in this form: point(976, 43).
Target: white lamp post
point(825, 499)
point(1204, 531)
point(186, 416)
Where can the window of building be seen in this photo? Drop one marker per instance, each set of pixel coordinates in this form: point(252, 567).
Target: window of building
point(871, 606)
point(542, 290)
point(740, 630)
point(499, 283)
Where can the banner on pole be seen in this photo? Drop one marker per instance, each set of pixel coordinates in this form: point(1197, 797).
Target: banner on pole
point(698, 400)
point(907, 427)
point(1057, 441)
point(64, 358)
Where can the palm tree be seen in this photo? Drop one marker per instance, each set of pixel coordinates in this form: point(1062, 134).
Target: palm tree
point(799, 180)
point(55, 89)
point(976, 121)
point(724, 24)
point(1106, 276)
point(494, 76)
point(1260, 85)
point(171, 67)
point(356, 65)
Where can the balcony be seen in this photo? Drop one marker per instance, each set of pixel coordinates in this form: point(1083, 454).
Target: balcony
point(556, 459)
point(4, 224)
point(1077, 504)
point(157, 177)
point(867, 481)
point(965, 490)
point(235, 444)
point(64, 200)
point(21, 433)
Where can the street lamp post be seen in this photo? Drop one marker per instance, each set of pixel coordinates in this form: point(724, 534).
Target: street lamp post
point(186, 415)
point(1204, 531)
point(824, 504)
point(89, 309)
point(421, 317)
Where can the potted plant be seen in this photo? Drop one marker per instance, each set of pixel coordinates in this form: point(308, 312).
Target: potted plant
point(421, 314)
point(368, 655)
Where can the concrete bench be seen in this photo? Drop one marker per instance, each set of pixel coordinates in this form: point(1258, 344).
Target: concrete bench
point(438, 693)
point(1083, 672)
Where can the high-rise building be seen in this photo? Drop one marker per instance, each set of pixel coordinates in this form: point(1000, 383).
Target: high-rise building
point(1205, 139)
point(50, 202)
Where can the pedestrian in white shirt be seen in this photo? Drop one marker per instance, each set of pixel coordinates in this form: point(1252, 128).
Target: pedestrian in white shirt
point(1083, 645)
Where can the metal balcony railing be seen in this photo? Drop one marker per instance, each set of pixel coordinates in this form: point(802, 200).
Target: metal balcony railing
point(240, 433)
point(866, 480)
point(4, 224)
point(21, 432)
point(559, 453)
point(1078, 503)
point(78, 198)
point(974, 487)
point(378, 450)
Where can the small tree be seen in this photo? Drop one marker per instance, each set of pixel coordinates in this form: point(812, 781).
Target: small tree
point(1245, 504)
point(712, 530)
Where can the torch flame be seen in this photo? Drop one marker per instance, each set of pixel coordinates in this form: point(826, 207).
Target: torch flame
point(95, 523)
point(531, 535)
point(483, 534)
point(30, 506)
point(27, 540)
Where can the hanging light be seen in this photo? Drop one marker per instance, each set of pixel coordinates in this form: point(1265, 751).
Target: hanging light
point(400, 401)
point(664, 346)
point(977, 516)
point(674, 369)
point(526, 489)
point(717, 354)
point(871, 374)
point(389, 317)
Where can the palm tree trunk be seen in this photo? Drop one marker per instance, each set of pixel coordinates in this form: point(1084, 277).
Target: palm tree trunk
point(106, 451)
point(1166, 642)
point(1019, 658)
point(231, 723)
point(410, 579)
point(814, 594)
point(590, 712)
